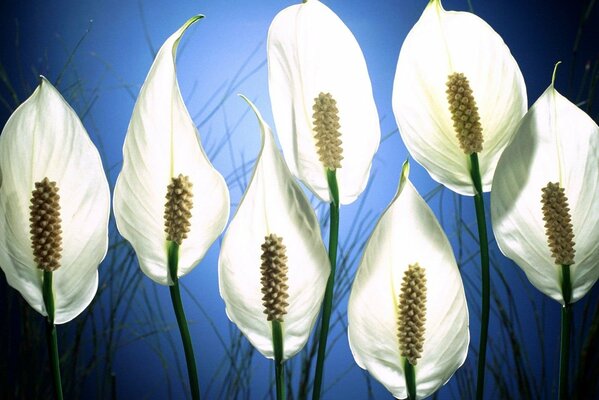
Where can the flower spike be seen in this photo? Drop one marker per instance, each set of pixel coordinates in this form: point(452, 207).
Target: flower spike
point(272, 256)
point(55, 204)
point(317, 78)
point(408, 289)
point(163, 159)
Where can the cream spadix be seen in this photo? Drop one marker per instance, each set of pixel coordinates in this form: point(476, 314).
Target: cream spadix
point(407, 300)
point(273, 231)
point(452, 67)
point(162, 150)
point(315, 61)
point(54, 204)
point(545, 196)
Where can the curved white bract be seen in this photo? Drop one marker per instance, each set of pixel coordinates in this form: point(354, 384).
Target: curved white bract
point(555, 142)
point(273, 204)
point(161, 143)
point(44, 138)
point(311, 51)
point(441, 43)
point(408, 233)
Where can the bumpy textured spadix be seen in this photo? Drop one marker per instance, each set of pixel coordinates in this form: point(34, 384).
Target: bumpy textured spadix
point(46, 234)
point(326, 126)
point(412, 313)
point(177, 209)
point(162, 144)
point(464, 113)
point(54, 204)
point(274, 278)
point(273, 207)
point(408, 234)
point(555, 154)
point(311, 51)
point(558, 225)
point(443, 44)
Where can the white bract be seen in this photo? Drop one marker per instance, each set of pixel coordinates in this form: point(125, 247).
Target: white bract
point(311, 51)
point(556, 142)
point(442, 43)
point(273, 204)
point(44, 138)
point(408, 233)
point(161, 143)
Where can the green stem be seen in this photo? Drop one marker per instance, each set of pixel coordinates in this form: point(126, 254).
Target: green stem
point(328, 294)
point(484, 263)
point(173, 263)
point(564, 361)
point(51, 335)
point(410, 379)
point(277, 340)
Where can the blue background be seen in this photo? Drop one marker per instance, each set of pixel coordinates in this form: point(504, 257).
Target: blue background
point(98, 54)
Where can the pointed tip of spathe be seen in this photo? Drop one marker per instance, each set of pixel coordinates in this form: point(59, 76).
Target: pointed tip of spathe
point(435, 3)
point(186, 26)
point(264, 128)
point(193, 20)
point(43, 80)
point(405, 173)
point(554, 74)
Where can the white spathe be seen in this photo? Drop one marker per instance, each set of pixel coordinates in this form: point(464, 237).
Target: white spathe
point(273, 203)
point(44, 138)
point(441, 43)
point(408, 233)
point(310, 50)
point(556, 142)
point(161, 143)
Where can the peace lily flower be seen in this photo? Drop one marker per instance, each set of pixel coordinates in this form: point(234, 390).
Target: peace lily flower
point(554, 159)
point(274, 225)
point(54, 205)
point(544, 205)
point(407, 308)
point(457, 55)
point(316, 67)
point(162, 150)
point(169, 201)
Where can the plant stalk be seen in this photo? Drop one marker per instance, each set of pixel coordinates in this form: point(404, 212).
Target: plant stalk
point(486, 280)
point(173, 263)
point(51, 335)
point(410, 379)
point(277, 340)
point(564, 362)
point(328, 294)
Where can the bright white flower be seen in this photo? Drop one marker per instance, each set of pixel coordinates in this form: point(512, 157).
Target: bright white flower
point(44, 141)
point(162, 144)
point(311, 51)
point(408, 234)
point(444, 43)
point(558, 143)
point(273, 204)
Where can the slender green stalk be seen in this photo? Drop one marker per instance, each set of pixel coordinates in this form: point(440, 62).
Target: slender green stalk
point(328, 294)
point(564, 362)
point(277, 340)
point(173, 263)
point(410, 379)
point(48, 296)
point(484, 263)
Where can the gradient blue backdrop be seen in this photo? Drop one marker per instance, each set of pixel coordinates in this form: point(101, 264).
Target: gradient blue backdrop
point(108, 46)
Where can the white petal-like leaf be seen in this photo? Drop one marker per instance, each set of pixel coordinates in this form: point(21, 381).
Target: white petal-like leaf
point(556, 142)
point(44, 138)
point(441, 43)
point(161, 143)
point(408, 233)
point(310, 50)
point(273, 203)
